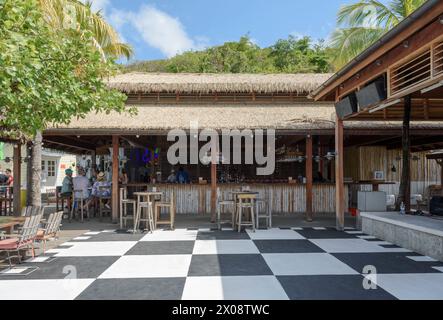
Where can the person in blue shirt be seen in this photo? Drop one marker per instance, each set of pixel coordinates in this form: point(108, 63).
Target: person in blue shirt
point(182, 176)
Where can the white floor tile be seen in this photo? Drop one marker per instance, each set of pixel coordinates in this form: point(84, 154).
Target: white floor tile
point(306, 264)
point(110, 230)
point(233, 288)
point(274, 234)
point(152, 266)
point(415, 286)
point(92, 233)
point(176, 235)
point(224, 247)
point(319, 228)
point(297, 228)
point(60, 289)
point(38, 259)
point(96, 249)
point(366, 237)
point(422, 258)
point(14, 270)
point(81, 238)
point(352, 245)
point(438, 268)
point(354, 232)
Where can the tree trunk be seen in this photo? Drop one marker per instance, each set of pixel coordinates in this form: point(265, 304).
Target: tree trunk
point(36, 199)
point(405, 182)
point(29, 174)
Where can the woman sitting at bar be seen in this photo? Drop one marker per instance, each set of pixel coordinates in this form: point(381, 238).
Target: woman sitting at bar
point(101, 188)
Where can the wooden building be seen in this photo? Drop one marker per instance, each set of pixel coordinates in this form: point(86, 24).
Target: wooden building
point(304, 130)
point(398, 79)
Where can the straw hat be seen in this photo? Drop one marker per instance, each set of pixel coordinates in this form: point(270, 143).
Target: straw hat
point(101, 176)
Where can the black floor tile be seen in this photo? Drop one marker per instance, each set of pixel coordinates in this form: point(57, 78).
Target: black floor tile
point(222, 235)
point(161, 247)
point(228, 265)
point(286, 246)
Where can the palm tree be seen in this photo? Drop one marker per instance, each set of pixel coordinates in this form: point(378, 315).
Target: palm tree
point(364, 22)
point(61, 14)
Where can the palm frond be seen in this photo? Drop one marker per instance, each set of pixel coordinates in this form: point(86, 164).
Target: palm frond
point(362, 12)
point(350, 42)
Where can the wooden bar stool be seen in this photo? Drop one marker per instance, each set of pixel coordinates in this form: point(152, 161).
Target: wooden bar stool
point(149, 216)
point(124, 203)
point(167, 205)
point(221, 203)
point(267, 203)
point(246, 201)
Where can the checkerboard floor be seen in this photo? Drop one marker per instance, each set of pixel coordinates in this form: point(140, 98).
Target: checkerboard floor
point(194, 264)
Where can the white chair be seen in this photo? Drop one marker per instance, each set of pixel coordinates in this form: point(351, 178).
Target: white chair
point(222, 203)
point(124, 203)
point(51, 228)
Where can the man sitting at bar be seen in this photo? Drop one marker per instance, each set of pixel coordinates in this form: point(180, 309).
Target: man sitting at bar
point(101, 188)
point(81, 185)
point(66, 191)
point(182, 176)
point(172, 178)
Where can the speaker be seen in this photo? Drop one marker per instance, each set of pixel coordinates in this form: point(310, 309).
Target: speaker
point(371, 94)
point(346, 106)
point(436, 206)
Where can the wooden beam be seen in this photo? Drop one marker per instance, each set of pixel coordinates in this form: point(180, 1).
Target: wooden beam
point(418, 34)
point(405, 182)
point(17, 163)
point(115, 200)
point(339, 175)
point(309, 178)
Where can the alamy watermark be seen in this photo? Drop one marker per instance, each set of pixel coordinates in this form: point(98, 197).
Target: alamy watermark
point(259, 147)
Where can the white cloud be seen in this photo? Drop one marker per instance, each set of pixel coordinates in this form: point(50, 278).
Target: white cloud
point(162, 31)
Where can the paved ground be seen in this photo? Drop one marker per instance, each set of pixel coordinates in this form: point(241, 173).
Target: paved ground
point(200, 263)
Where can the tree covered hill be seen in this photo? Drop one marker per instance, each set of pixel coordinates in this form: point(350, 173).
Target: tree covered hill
point(289, 55)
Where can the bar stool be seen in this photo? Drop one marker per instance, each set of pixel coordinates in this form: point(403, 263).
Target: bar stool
point(78, 202)
point(168, 205)
point(267, 214)
point(221, 203)
point(102, 209)
point(149, 218)
point(124, 203)
point(245, 202)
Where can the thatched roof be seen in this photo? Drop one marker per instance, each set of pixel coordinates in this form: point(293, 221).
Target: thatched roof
point(301, 116)
point(223, 83)
point(165, 117)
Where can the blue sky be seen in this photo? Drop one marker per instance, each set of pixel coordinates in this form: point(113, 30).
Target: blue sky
point(161, 28)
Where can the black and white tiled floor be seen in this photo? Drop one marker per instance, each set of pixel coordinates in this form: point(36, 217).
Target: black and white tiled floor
point(193, 264)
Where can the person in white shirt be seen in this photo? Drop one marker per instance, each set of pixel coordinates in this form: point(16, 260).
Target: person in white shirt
point(81, 186)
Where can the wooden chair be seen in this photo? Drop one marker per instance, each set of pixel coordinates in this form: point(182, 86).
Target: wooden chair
point(78, 202)
point(51, 228)
point(169, 205)
point(124, 203)
point(102, 202)
point(247, 202)
point(24, 240)
point(221, 203)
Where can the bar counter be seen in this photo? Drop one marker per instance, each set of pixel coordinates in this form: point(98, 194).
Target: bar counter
point(286, 198)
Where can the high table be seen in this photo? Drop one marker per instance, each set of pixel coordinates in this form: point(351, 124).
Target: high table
point(149, 195)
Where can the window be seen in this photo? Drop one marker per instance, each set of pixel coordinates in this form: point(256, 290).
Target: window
point(43, 166)
point(51, 168)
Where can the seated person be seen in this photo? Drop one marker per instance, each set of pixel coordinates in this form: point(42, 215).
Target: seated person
point(172, 178)
point(81, 186)
point(101, 188)
point(182, 176)
point(66, 191)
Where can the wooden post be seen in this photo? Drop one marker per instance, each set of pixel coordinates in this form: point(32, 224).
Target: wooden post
point(339, 175)
point(405, 182)
point(17, 178)
point(213, 190)
point(28, 175)
point(309, 178)
point(115, 209)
